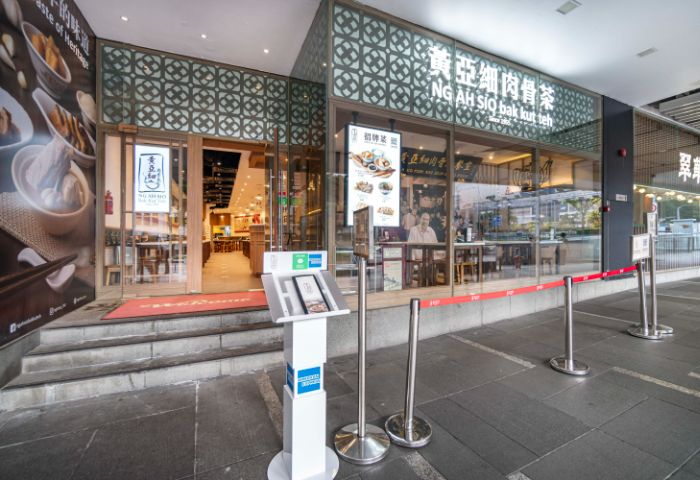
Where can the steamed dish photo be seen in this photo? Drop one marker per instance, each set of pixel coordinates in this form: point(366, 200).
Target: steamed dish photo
point(47, 49)
point(364, 187)
point(373, 163)
point(55, 187)
point(385, 210)
point(9, 133)
point(385, 187)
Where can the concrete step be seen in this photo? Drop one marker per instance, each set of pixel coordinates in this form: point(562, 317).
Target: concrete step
point(107, 329)
point(59, 356)
point(40, 388)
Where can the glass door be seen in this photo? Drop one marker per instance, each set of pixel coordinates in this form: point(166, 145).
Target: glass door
point(145, 205)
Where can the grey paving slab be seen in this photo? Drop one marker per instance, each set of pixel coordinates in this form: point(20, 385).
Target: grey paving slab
point(27, 424)
point(693, 465)
point(553, 333)
point(538, 427)
point(396, 469)
point(52, 458)
point(541, 382)
point(514, 324)
point(454, 460)
point(680, 399)
point(252, 468)
point(666, 348)
point(159, 446)
point(497, 449)
point(601, 457)
point(667, 431)
point(596, 401)
point(689, 339)
point(683, 475)
point(232, 422)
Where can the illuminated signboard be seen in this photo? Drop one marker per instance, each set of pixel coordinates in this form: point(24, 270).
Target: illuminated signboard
point(689, 167)
point(374, 174)
point(151, 179)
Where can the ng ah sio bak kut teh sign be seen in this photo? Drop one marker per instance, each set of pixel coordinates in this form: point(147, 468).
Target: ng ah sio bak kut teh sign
point(424, 163)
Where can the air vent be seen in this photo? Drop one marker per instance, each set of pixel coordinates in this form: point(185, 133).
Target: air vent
point(646, 52)
point(567, 7)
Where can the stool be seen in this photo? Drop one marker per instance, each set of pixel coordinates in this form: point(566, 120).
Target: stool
point(112, 270)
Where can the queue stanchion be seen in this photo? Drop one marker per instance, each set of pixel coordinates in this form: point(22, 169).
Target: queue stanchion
point(405, 429)
point(655, 325)
point(642, 330)
point(360, 443)
point(567, 364)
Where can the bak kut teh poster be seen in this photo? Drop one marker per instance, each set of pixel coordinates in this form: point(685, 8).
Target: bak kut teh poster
point(48, 119)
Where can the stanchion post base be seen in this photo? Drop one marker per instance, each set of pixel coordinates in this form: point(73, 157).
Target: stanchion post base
point(664, 329)
point(561, 364)
point(420, 435)
point(277, 470)
point(371, 448)
point(638, 331)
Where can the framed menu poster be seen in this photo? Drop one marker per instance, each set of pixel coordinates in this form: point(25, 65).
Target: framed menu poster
point(374, 173)
point(310, 294)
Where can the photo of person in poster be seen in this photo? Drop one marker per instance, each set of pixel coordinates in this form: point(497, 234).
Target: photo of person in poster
point(48, 118)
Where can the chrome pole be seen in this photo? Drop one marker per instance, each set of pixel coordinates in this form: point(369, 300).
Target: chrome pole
point(642, 330)
point(360, 443)
point(405, 429)
point(655, 325)
point(567, 364)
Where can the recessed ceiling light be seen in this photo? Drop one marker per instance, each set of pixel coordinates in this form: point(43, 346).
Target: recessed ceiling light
point(266, 51)
point(125, 18)
point(420, 148)
point(204, 36)
point(646, 52)
point(568, 6)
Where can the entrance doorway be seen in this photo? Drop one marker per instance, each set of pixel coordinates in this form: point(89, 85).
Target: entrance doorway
point(235, 219)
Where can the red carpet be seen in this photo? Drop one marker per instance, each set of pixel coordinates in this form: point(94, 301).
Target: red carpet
point(147, 307)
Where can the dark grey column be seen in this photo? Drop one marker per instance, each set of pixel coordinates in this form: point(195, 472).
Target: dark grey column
point(618, 181)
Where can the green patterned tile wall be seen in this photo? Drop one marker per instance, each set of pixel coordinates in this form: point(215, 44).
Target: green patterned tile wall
point(386, 64)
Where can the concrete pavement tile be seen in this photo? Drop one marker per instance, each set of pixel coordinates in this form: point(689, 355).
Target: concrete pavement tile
point(680, 399)
point(688, 339)
point(341, 411)
point(553, 333)
point(447, 377)
point(538, 427)
point(159, 446)
point(497, 449)
point(52, 458)
point(40, 422)
point(232, 422)
point(255, 467)
point(541, 382)
point(596, 401)
point(598, 456)
point(683, 475)
point(452, 459)
point(669, 432)
point(666, 348)
point(396, 469)
point(693, 465)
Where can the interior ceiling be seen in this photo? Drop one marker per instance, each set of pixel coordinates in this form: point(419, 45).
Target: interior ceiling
point(594, 46)
point(218, 176)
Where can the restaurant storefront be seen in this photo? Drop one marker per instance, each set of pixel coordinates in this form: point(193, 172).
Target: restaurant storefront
point(497, 182)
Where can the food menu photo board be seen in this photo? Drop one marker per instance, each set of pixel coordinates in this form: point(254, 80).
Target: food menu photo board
point(47, 163)
point(310, 294)
point(374, 173)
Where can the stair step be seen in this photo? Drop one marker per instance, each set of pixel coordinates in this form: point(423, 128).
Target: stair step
point(39, 388)
point(48, 357)
point(108, 329)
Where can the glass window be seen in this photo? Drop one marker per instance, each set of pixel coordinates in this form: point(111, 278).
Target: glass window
point(412, 253)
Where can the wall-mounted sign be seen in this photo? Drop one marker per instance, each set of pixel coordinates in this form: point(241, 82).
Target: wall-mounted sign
point(374, 178)
point(151, 179)
point(685, 171)
point(425, 163)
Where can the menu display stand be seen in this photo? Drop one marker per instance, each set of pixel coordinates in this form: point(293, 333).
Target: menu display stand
point(304, 455)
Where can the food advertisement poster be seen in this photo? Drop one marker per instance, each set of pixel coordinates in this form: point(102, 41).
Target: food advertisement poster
point(47, 163)
point(151, 181)
point(374, 173)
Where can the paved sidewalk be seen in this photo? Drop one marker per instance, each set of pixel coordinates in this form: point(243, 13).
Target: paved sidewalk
point(496, 409)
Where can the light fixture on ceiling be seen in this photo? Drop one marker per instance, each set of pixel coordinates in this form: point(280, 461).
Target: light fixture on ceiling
point(647, 52)
point(204, 36)
point(266, 51)
point(125, 18)
point(568, 6)
point(420, 147)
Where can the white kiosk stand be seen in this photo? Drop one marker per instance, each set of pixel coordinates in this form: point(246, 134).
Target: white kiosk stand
point(301, 294)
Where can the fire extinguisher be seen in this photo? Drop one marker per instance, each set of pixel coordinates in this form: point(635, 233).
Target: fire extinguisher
point(109, 203)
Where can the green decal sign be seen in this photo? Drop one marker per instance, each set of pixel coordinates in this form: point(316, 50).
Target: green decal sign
point(300, 261)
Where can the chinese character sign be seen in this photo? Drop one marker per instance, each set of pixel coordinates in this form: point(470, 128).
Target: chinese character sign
point(689, 167)
point(374, 174)
point(151, 179)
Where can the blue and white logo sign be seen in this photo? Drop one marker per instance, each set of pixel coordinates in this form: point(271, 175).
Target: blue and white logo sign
point(309, 380)
point(315, 260)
